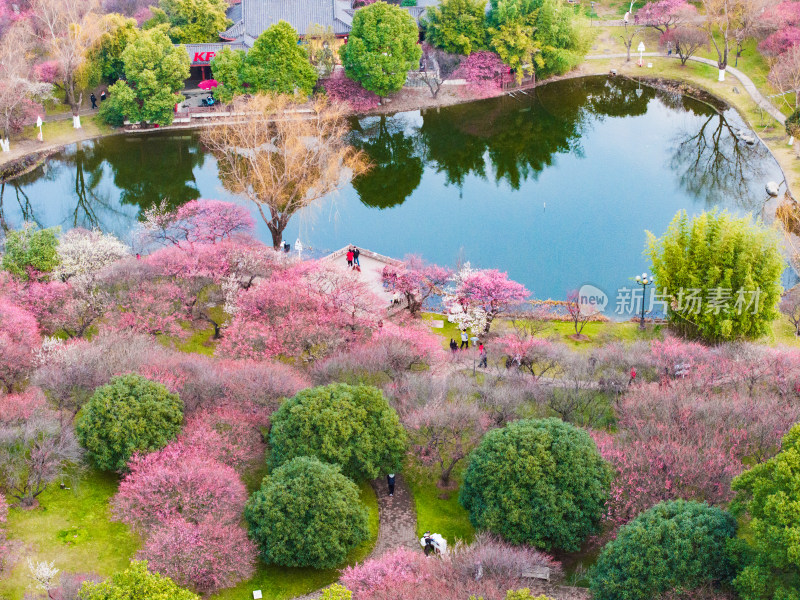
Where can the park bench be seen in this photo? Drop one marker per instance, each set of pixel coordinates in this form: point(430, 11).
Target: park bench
point(538, 573)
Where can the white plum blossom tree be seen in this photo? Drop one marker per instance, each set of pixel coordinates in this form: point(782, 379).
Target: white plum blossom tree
point(84, 253)
point(43, 574)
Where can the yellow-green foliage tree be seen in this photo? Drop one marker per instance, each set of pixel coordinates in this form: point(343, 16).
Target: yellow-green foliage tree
point(720, 275)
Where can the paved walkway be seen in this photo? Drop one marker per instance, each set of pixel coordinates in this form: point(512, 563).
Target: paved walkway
point(398, 528)
point(746, 82)
point(372, 265)
point(398, 522)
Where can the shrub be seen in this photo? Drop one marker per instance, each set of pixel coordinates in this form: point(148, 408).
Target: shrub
point(769, 494)
point(177, 482)
point(351, 426)
point(674, 545)
point(336, 592)
point(341, 88)
point(204, 556)
point(30, 250)
point(792, 124)
point(306, 514)
point(130, 414)
point(538, 482)
point(135, 582)
point(731, 264)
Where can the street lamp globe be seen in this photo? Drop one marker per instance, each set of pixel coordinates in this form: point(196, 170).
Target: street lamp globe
point(638, 278)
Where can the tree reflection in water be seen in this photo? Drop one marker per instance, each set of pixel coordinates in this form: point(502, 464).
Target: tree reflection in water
point(396, 162)
point(712, 163)
point(499, 143)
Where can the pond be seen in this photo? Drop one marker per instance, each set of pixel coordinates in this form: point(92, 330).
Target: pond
point(557, 186)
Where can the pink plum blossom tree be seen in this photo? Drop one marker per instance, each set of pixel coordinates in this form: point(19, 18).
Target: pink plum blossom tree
point(177, 481)
point(416, 281)
point(205, 556)
point(664, 15)
point(19, 340)
point(488, 291)
point(196, 222)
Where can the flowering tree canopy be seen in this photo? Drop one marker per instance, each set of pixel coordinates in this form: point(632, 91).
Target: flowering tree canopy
point(196, 222)
point(416, 281)
point(19, 340)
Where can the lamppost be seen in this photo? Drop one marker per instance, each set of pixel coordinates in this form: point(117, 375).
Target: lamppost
point(643, 280)
point(641, 53)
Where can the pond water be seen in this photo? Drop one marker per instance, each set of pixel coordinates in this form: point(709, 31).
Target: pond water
point(557, 187)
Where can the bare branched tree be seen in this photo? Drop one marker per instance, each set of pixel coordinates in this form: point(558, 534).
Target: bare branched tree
point(281, 158)
point(68, 29)
point(785, 76)
point(437, 67)
point(19, 89)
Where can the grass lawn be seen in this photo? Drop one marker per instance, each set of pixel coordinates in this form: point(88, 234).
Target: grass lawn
point(446, 517)
point(71, 528)
point(278, 583)
point(61, 131)
point(599, 333)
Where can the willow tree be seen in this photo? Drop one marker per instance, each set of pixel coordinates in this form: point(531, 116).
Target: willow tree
point(281, 158)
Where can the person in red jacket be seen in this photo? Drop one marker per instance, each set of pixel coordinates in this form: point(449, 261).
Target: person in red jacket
point(350, 258)
point(633, 375)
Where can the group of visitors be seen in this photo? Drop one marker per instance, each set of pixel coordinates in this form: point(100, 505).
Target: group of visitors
point(454, 347)
point(352, 258)
point(93, 98)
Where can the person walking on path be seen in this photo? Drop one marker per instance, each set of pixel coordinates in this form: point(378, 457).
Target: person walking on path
point(350, 259)
point(633, 376)
point(93, 98)
point(464, 340)
point(483, 361)
point(102, 96)
point(390, 483)
point(356, 253)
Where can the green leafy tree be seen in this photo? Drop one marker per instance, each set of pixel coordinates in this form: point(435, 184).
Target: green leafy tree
point(191, 21)
point(135, 583)
point(306, 514)
point(382, 48)
point(227, 67)
point(562, 36)
point(30, 249)
point(514, 43)
point(155, 72)
point(457, 26)
point(545, 36)
point(732, 264)
point(130, 414)
point(278, 64)
point(676, 545)
point(770, 494)
point(537, 482)
point(350, 426)
point(119, 32)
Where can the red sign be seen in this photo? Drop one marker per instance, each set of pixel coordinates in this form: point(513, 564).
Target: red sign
point(203, 56)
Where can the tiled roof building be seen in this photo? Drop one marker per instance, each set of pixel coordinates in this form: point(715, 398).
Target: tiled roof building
point(251, 17)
